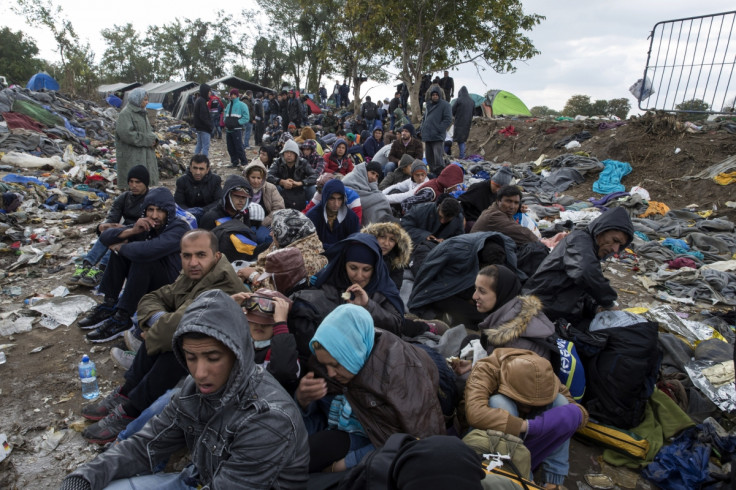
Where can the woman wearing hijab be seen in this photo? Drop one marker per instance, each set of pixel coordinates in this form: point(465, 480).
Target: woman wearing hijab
point(134, 139)
point(513, 320)
point(378, 385)
point(289, 228)
point(450, 177)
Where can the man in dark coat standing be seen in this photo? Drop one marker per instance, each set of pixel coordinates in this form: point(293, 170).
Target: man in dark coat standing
point(434, 129)
point(202, 121)
point(462, 111)
point(448, 85)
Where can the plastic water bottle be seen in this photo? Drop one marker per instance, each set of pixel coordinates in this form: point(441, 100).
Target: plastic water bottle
point(88, 375)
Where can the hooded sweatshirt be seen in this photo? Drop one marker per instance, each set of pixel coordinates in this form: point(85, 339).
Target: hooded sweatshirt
point(342, 165)
point(343, 225)
point(268, 195)
point(210, 218)
point(375, 205)
point(431, 190)
point(570, 282)
point(154, 245)
point(201, 117)
point(248, 434)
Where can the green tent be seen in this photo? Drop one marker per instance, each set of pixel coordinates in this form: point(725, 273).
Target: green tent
point(503, 103)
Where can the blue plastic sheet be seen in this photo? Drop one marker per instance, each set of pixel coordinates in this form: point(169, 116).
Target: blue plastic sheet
point(610, 179)
point(20, 179)
point(682, 465)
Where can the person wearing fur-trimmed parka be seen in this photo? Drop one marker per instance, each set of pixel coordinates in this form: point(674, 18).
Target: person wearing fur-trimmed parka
point(396, 248)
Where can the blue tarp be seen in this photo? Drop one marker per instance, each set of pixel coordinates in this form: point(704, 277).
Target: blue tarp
point(42, 81)
point(114, 100)
point(610, 179)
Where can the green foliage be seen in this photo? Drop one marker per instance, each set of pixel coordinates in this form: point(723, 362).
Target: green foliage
point(696, 110)
point(126, 57)
point(619, 107)
point(578, 105)
point(269, 63)
point(543, 110)
point(18, 60)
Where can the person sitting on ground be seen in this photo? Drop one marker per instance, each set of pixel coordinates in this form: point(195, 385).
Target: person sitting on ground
point(517, 392)
point(364, 180)
point(395, 246)
point(286, 270)
point(402, 173)
point(377, 385)
point(198, 189)
point(353, 199)
point(570, 282)
point(500, 217)
point(513, 321)
point(128, 208)
point(403, 190)
point(406, 143)
point(233, 218)
point(332, 218)
point(481, 195)
point(402, 120)
point(275, 347)
point(155, 369)
point(373, 143)
point(356, 274)
point(445, 281)
point(450, 177)
point(309, 153)
point(261, 438)
point(430, 222)
point(289, 228)
point(338, 161)
point(146, 257)
point(293, 176)
point(266, 155)
point(274, 131)
point(266, 195)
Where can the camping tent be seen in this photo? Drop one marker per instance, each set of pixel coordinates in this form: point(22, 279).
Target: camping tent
point(503, 103)
point(183, 106)
point(42, 81)
point(313, 106)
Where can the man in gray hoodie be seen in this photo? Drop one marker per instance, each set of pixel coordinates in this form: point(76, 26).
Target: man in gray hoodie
point(240, 426)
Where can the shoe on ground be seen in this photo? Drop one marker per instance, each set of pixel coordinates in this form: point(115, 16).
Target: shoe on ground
point(107, 429)
point(96, 317)
point(132, 342)
point(92, 278)
point(110, 329)
point(79, 273)
point(123, 358)
point(103, 408)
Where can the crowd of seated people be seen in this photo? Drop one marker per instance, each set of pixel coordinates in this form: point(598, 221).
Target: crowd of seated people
point(296, 332)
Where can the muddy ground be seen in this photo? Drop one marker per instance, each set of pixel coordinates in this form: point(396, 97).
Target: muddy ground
point(40, 396)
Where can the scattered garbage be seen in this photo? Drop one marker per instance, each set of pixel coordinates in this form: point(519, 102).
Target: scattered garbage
point(63, 310)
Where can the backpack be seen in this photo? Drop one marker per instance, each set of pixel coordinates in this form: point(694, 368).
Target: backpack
point(447, 392)
point(236, 239)
point(370, 111)
point(215, 105)
point(565, 362)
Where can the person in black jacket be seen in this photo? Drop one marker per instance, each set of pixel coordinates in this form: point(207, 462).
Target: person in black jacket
point(202, 121)
point(198, 189)
point(481, 195)
point(259, 124)
point(294, 177)
point(462, 111)
point(570, 282)
point(127, 207)
point(369, 112)
point(331, 217)
point(146, 258)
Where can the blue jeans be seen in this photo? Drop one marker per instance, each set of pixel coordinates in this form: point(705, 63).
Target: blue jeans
point(393, 122)
point(246, 135)
point(370, 124)
point(216, 129)
point(154, 409)
point(461, 146)
point(557, 464)
point(337, 101)
point(388, 168)
point(98, 253)
point(159, 481)
point(203, 143)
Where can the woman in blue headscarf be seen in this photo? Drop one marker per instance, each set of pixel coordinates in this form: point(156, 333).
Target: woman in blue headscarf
point(383, 386)
point(134, 139)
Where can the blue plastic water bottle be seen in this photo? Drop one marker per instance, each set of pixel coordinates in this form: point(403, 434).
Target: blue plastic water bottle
point(88, 375)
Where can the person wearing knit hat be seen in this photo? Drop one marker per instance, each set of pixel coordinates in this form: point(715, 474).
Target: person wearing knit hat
point(401, 173)
point(234, 92)
point(236, 115)
point(294, 176)
point(400, 191)
point(374, 171)
point(141, 173)
point(481, 195)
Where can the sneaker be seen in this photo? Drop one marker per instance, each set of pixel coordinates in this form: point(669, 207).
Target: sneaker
point(101, 409)
point(112, 328)
point(79, 273)
point(96, 317)
point(92, 278)
point(107, 429)
point(123, 358)
point(132, 342)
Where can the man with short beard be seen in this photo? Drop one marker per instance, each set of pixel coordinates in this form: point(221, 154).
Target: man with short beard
point(406, 144)
point(293, 176)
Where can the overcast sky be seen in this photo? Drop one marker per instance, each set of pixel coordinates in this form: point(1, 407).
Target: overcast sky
point(597, 49)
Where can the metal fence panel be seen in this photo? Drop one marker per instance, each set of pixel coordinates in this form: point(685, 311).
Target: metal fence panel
point(691, 66)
